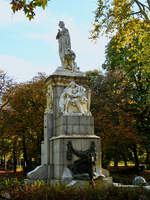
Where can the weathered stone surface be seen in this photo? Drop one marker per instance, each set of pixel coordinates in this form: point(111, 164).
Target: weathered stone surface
point(39, 173)
point(48, 125)
point(49, 95)
point(48, 133)
point(59, 153)
point(61, 72)
point(74, 125)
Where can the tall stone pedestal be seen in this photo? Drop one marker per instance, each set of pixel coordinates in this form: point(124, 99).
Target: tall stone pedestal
point(69, 128)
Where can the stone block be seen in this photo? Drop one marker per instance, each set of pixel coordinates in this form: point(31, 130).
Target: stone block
point(57, 174)
point(92, 121)
point(56, 158)
point(64, 130)
point(76, 130)
point(71, 125)
point(85, 144)
point(62, 157)
point(83, 129)
point(85, 120)
point(48, 125)
point(50, 171)
point(69, 130)
point(73, 120)
point(64, 120)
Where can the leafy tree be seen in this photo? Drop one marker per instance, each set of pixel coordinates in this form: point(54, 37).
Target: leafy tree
point(28, 7)
point(112, 15)
point(130, 22)
point(113, 124)
point(7, 145)
point(137, 86)
point(6, 86)
point(24, 123)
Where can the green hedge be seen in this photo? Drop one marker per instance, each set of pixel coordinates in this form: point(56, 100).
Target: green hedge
point(41, 191)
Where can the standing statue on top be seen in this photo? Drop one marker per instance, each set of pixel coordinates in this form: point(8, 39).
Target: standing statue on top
point(67, 56)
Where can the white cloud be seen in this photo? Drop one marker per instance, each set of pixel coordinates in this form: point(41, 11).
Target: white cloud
point(20, 69)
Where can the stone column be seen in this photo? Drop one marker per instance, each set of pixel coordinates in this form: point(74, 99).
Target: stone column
point(61, 128)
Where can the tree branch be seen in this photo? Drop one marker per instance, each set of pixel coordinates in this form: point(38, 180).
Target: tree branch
point(142, 7)
point(3, 105)
point(148, 2)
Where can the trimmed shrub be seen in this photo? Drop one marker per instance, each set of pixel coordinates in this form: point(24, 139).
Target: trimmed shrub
point(42, 191)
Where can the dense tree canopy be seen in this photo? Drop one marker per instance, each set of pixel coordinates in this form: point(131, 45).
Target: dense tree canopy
point(112, 15)
point(129, 22)
point(21, 122)
point(137, 86)
point(115, 122)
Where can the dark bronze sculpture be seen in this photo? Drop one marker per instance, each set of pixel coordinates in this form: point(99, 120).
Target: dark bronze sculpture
point(86, 164)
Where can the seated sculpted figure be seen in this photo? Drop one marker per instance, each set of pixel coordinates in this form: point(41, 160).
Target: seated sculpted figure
point(74, 100)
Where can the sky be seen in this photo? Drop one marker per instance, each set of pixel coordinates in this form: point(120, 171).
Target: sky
point(28, 47)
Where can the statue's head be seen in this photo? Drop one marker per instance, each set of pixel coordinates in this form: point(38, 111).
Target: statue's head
point(72, 84)
point(61, 24)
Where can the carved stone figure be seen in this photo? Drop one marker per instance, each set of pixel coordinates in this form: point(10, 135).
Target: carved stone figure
point(67, 56)
point(86, 164)
point(64, 42)
point(49, 96)
point(39, 173)
point(69, 60)
point(74, 100)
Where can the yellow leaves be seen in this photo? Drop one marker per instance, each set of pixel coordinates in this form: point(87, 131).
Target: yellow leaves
point(117, 15)
point(44, 3)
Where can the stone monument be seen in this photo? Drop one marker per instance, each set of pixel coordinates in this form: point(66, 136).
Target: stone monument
point(70, 152)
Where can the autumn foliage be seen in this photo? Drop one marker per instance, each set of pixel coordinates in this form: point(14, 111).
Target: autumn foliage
point(23, 120)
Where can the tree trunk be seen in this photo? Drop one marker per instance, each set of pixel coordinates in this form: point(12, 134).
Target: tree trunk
point(5, 162)
point(25, 157)
point(14, 157)
point(116, 160)
point(125, 160)
point(115, 163)
point(136, 160)
point(147, 161)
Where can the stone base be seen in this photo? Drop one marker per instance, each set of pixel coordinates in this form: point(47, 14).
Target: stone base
point(61, 72)
point(58, 153)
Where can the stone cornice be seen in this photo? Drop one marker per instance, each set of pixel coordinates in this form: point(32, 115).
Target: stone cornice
point(62, 80)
